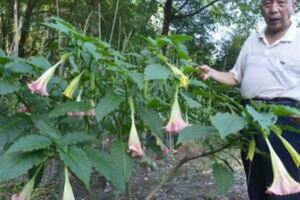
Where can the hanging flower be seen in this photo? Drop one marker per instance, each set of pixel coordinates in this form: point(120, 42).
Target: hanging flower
point(40, 85)
point(69, 91)
point(183, 79)
point(283, 183)
point(134, 144)
point(294, 154)
point(26, 192)
point(68, 192)
point(176, 123)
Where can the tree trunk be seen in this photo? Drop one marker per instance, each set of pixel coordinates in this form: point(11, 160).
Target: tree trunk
point(15, 49)
point(168, 15)
point(31, 4)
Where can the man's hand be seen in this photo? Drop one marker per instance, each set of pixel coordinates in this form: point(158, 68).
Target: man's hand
point(206, 72)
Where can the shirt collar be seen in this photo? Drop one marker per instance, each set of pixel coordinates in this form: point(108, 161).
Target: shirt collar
point(289, 36)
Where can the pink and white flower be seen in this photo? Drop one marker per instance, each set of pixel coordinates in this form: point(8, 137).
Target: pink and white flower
point(26, 192)
point(134, 144)
point(283, 183)
point(176, 123)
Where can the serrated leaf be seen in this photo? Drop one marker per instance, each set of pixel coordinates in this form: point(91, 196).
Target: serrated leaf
point(156, 72)
point(191, 103)
point(64, 108)
point(122, 164)
point(223, 178)
point(227, 123)
point(7, 87)
point(138, 78)
point(76, 159)
point(30, 143)
point(152, 119)
point(194, 132)
point(103, 163)
point(12, 127)
point(75, 138)
point(106, 105)
point(45, 128)
point(264, 119)
point(14, 165)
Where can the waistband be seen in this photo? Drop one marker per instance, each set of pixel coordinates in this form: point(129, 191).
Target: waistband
point(277, 100)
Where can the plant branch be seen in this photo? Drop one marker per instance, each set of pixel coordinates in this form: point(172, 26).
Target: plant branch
point(181, 7)
point(174, 170)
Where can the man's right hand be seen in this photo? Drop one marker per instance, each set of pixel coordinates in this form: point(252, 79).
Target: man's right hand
point(206, 72)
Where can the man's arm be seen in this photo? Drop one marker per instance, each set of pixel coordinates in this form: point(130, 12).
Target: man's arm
point(226, 78)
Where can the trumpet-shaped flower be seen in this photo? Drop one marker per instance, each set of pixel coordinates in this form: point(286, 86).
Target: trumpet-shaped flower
point(68, 192)
point(40, 85)
point(294, 154)
point(176, 123)
point(134, 144)
point(69, 91)
point(283, 183)
point(26, 192)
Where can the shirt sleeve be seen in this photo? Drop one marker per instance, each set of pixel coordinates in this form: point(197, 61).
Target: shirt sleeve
point(239, 65)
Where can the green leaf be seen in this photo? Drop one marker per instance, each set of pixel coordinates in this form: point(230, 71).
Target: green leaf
point(152, 119)
point(18, 67)
point(191, 103)
point(11, 128)
point(45, 128)
point(30, 143)
point(2, 53)
point(138, 78)
point(7, 88)
point(103, 163)
point(223, 178)
point(40, 62)
point(265, 120)
point(122, 164)
point(76, 159)
point(281, 110)
point(227, 123)
point(64, 108)
point(75, 138)
point(4, 59)
point(198, 83)
point(194, 132)
point(106, 105)
point(14, 165)
point(156, 72)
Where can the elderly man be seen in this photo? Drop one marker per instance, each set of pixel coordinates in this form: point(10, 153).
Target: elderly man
point(268, 69)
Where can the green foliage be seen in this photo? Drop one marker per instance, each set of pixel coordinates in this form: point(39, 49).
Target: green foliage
point(106, 105)
point(7, 88)
point(194, 132)
point(156, 72)
point(64, 108)
point(223, 178)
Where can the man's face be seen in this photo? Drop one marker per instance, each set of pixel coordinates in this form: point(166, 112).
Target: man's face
point(277, 14)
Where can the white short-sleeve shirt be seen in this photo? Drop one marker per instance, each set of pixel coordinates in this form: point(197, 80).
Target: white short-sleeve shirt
point(269, 71)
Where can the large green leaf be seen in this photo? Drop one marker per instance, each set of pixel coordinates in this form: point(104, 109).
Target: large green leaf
point(12, 127)
point(19, 67)
point(122, 165)
point(30, 143)
point(156, 72)
point(40, 62)
point(152, 119)
point(76, 159)
point(64, 108)
point(14, 165)
point(191, 103)
point(227, 123)
point(138, 78)
point(194, 132)
point(106, 105)
point(45, 128)
point(7, 87)
point(75, 138)
point(264, 119)
point(223, 178)
point(103, 163)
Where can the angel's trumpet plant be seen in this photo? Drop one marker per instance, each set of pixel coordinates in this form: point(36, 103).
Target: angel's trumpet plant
point(68, 192)
point(283, 183)
point(69, 91)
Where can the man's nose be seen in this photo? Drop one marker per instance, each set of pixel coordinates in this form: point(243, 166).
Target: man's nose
point(274, 7)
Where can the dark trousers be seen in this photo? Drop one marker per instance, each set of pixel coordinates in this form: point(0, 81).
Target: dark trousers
point(259, 171)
